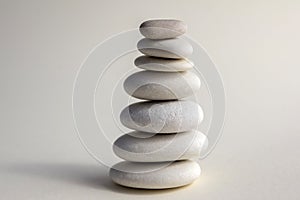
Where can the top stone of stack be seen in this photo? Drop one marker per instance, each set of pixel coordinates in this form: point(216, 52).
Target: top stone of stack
point(158, 29)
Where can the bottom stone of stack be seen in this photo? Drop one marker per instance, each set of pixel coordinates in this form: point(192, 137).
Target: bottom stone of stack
point(161, 175)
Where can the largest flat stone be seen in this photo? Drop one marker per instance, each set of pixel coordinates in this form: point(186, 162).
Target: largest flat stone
point(162, 116)
point(151, 85)
point(144, 147)
point(155, 175)
point(175, 48)
point(162, 28)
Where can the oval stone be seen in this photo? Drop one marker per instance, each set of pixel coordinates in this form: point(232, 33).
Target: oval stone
point(151, 85)
point(155, 175)
point(162, 116)
point(163, 64)
point(144, 147)
point(175, 48)
point(162, 28)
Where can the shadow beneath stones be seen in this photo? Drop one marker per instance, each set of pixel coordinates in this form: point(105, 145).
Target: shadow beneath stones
point(94, 176)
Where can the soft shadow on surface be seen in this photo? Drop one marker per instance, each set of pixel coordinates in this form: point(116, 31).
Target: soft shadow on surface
point(95, 176)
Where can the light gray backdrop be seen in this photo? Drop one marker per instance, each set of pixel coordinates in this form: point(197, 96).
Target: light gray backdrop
point(254, 43)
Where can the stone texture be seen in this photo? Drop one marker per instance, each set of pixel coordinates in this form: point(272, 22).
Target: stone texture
point(162, 116)
point(162, 28)
point(155, 175)
point(151, 85)
point(175, 48)
point(144, 147)
point(163, 65)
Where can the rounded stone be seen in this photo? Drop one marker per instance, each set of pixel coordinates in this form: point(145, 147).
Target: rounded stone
point(151, 85)
point(175, 48)
point(155, 175)
point(163, 64)
point(144, 147)
point(162, 28)
point(162, 116)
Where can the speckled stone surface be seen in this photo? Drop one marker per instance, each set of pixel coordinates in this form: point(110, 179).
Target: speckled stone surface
point(155, 175)
point(151, 85)
point(163, 65)
point(162, 28)
point(162, 116)
point(175, 48)
point(144, 147)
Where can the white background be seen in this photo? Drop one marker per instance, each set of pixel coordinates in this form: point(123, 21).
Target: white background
point(254, 43)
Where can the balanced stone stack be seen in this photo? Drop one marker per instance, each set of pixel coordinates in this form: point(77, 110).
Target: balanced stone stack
point(162, 150)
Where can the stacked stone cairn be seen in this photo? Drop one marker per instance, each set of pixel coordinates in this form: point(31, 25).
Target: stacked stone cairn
point(163, 149)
